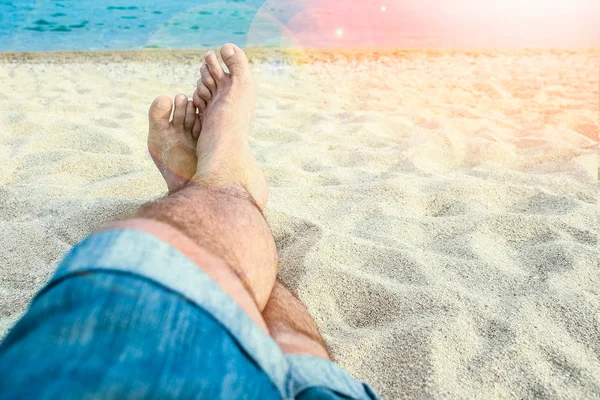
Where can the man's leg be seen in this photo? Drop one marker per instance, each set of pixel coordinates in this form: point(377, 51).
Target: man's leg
point(291, 326)
point(193, 210)
point(213, 215)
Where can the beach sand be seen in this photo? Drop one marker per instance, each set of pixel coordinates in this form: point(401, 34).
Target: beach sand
point(435, 210)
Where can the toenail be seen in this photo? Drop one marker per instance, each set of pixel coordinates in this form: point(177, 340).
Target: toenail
point(208, 53)
point(164, 104)
point(227, 51)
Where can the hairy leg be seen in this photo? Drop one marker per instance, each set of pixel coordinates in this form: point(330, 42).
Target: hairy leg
point(291, 326)
point(225, 222)
point(213, 213)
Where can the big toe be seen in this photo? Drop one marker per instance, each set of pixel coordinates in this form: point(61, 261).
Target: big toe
point(160, 111)
point(235, 59)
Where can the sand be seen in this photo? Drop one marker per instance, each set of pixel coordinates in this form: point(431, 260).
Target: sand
point(436, 211)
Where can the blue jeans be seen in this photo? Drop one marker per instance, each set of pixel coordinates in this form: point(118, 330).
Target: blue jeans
point(127, 316)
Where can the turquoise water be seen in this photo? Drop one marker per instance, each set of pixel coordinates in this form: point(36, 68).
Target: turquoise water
point(37, 25)
point(29, 25)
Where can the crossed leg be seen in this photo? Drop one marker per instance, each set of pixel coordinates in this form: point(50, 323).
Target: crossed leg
point(291, 326)
point(213, 213)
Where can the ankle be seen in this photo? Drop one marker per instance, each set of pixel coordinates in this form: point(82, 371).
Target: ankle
point(221, 187)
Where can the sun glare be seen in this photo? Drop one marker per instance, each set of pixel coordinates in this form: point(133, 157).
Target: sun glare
point(421, 23)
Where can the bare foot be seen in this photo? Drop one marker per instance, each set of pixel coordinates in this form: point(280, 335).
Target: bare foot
point(226, 102)
point(172, 144)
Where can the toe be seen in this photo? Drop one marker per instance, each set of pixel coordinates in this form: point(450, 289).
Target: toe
point(197, 127)
point(214, 67)
point(235, 59)
point(160, 112)
point(181, 102)
point(203, 92)
point(190, 117)
point(207, 79)
point(199, 102)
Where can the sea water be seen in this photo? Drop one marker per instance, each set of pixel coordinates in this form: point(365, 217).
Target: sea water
point(50, 25)
point(30, 25)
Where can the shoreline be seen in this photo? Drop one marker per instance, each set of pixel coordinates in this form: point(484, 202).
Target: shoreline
point(287, 55)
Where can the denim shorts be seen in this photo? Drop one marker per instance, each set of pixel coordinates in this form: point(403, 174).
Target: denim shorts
point(127, 316)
